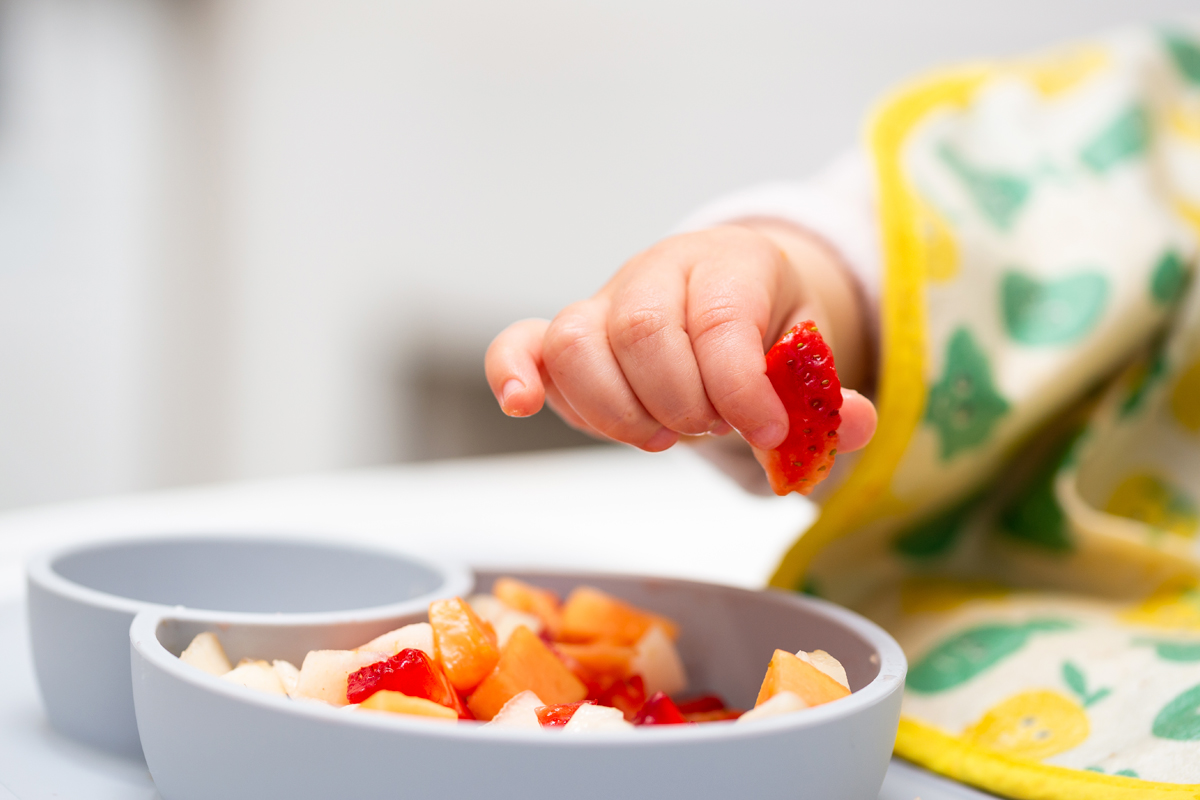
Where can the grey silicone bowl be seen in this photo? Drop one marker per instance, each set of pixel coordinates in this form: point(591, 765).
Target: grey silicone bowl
point(206, 738)
point(82, 600)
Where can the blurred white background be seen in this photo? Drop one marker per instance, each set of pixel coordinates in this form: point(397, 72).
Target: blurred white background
point(241, 238)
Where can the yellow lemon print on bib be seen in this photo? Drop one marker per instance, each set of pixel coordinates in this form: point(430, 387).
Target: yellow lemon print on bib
point(1173, 606)
point(1064, 70)
point(1035, 725)
point(1150, 499)
point(1185, 399)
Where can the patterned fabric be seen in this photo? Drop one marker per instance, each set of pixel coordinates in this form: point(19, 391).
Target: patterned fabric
point(1026, 521)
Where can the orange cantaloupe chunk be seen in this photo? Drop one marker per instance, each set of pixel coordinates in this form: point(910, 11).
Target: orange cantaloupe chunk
point(590, 615)
point(788, 673)
point(463, 644)
point(526, 664)
point(399, 703)
point(599, 659)
point(521, 596)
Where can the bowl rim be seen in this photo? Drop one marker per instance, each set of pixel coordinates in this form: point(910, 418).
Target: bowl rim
point(893, 667)
point(40, 570)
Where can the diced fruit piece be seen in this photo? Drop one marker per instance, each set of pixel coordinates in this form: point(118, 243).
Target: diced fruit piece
point(590, 615)
point(288, 674)
point(800, 367)
point(591, 719)
point(782, 703)
point(324, 673)
point(827, 664)
point(463, 646)
point(659, 710)
point(723, 715)
point(657, 661)
point(519, 712)
point(205, 653)
point(503, 619)
point(521, 596)
point(705, 703)
point(787, 673)
point(397, 703)
point(597, 659)
point(559, 714)
point(257, 675)
point(410, 672)
point(418, 636)
point(627, 696)
point(525, 663)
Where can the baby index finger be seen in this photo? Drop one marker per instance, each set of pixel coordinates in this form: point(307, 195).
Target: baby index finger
point(512, 365)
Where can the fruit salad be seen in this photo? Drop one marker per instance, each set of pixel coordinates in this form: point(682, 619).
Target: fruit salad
point(521, 658)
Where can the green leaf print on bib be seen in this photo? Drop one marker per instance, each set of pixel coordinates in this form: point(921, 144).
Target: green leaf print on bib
point(964, 405)
point(1169, 279)
point(935, 536)
point(1077, 683)
point(1181, 652)
point(1052, 312)
point(1126, 137)
point(1185, 53)
point(998, 195)
point(1034, 515)
point(965, 655)
point(1179, 719)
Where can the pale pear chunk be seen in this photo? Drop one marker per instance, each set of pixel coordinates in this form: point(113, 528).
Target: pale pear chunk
point(324, 673)
point(503, 618)
point(826, 663)
point(593, 719)
point(657, 661)
point(257, 675)
point(205, 653)
point(288, 674)
point(417, 636)
point(782, 703)
point(519, 712)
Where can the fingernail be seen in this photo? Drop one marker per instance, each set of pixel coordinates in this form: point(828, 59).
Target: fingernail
point(510, 388)
point(720, 428)
point(768, 436)
point(661, 440)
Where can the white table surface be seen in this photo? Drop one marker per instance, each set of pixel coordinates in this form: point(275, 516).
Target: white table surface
point(598, 509)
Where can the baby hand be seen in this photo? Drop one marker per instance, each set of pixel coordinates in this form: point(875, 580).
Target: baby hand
point(674, 343)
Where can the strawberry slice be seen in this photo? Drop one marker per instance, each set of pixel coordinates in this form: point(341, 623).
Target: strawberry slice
point(800, 367)
point(558, 715)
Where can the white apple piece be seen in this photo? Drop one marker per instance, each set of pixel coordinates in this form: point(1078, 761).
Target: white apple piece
point(205, 653)
point(519, 712)
point(418, 636)
point(782, 703)
point(288, 674)
point(504, 619)
point(827, 664)
point(657, 661)
point(591, 719)
point(324, 673)
point(258, 675)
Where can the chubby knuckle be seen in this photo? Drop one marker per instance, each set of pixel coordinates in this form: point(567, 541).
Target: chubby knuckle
point(636, 327)
point(717, 318)
point(566, 338)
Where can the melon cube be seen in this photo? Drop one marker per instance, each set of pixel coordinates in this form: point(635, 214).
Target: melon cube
point(827, 664)
point(782, 703)
point(397, 703)
point(418, 636)
point(258, 675)
point(526, 663)
point(590, 615)
point(462, 643)
point(205, 653)
point(324, 673)
point(519, 712)
point(521, 596)
point(788, 673)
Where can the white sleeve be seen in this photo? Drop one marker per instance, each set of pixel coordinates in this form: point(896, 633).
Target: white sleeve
point(838, 204)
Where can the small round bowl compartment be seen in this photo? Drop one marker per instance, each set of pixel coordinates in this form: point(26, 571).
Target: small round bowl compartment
point(204, 737)
point(82, 600)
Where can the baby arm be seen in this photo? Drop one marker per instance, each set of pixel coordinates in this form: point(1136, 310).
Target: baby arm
point(674, 343)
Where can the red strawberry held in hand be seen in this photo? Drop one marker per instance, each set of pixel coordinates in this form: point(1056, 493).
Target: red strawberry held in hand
point(800, 367)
